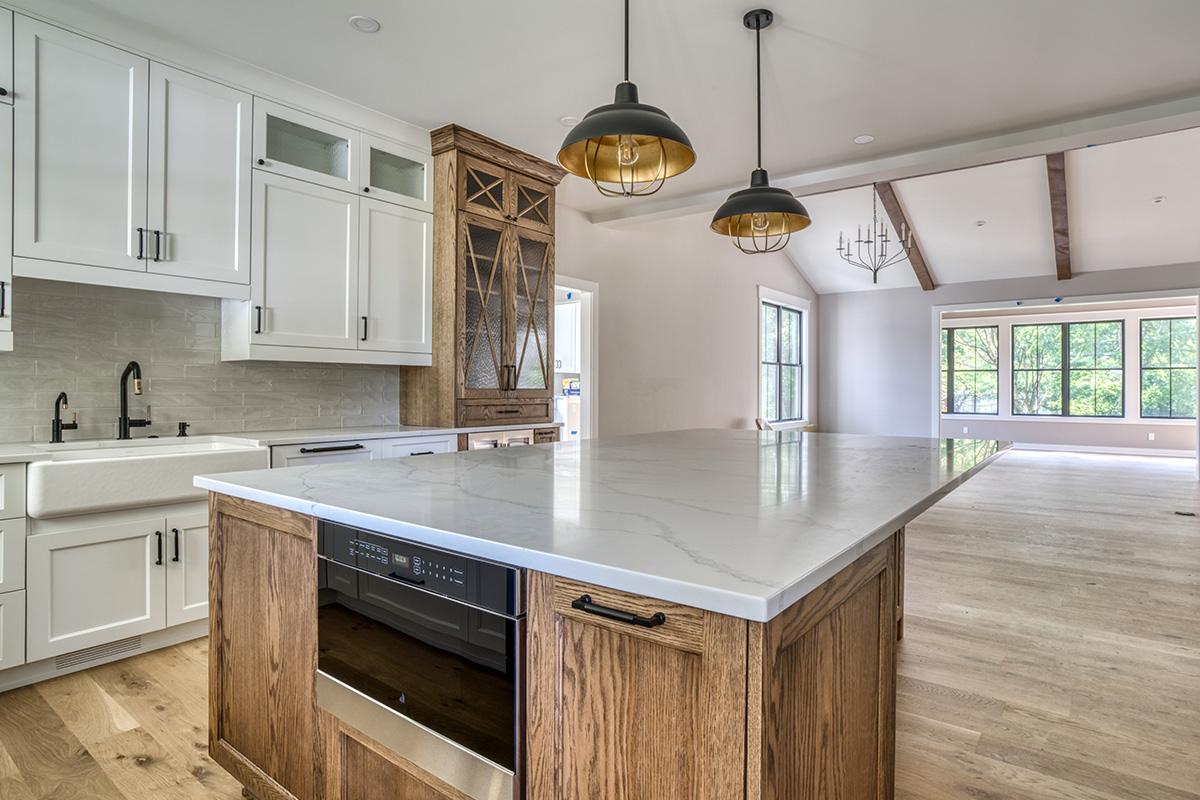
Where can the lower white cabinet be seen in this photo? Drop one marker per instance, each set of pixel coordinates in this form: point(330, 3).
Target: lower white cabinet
point(90, 585)
point(298, 455)
point(12, 629)
point(12, 554)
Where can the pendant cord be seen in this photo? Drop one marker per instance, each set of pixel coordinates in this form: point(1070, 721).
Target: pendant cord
point(627, 41)
point(758, 82)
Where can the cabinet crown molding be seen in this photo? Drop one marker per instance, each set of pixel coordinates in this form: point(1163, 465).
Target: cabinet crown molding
point(456, 137)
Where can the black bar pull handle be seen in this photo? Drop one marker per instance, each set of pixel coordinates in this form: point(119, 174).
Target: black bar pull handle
point(176, 532)
point(364, 329)
point(508, 411)
point(258, 319)
point(586, 605)
point(158, 245)
point(3, 297)
point(158, 562)
point(425, 453)
point(141, 232)
point(335, 449)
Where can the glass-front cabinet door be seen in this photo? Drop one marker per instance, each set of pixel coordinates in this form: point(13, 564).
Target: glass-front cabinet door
point(299, 145)
point(482, 244)
point(533, 203)
point(534, 278)
point(396, 173)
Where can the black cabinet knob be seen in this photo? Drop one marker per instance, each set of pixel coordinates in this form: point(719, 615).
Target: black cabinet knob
point(366, 188)
point(3, 92)
point(262, 163)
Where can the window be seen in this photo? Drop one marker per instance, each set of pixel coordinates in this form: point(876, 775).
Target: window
point(1169, 368)
point(781, 373)
point(970, 370)
point(1071, 369)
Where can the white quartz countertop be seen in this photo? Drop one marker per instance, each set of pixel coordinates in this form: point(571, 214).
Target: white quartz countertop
point(276, 438)
point(21, 454)
point(740, 522)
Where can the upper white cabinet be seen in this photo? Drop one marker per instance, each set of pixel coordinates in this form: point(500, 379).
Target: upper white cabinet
point(395, 285)
point(298, 145)
point(123, 164)
point(335, 278)
point(199, 212)
point(396, 173)
point(81, 138)
point(305, 288)
point(6, 59)
point(6, 275)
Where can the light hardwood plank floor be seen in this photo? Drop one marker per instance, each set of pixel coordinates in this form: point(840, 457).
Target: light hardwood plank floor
point(1051, 651)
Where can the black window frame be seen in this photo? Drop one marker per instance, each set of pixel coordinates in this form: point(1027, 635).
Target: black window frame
point(1142, 369)
point(950, 370)
point(1064, 369)
point(778, 363)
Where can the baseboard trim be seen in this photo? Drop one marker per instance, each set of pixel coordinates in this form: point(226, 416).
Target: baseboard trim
point(1119, 451)
point(60, 665)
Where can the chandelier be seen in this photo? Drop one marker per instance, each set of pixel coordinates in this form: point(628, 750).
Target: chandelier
point(871, 253)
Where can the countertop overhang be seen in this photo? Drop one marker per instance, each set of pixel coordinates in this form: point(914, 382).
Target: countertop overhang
point(740, 522)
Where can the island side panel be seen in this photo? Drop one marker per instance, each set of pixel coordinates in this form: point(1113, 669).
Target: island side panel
point(263, 648)
point(625, 712)
point(823, 685)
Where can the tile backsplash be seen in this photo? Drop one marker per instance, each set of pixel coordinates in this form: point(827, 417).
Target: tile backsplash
point(77, 339)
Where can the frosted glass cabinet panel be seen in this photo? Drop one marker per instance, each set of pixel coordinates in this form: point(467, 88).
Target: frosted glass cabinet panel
point(303, 146)
point(397, 173)
point(84, 103)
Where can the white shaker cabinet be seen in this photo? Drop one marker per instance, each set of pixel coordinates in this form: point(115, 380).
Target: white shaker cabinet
point(186, 560)
point(305, 254)
point(93, 585)
point(94, 582)
point(81, 128)
point(395, 288)
point(126, 164)
point(6, 273)
point(199, 201)
point(6, 60)
point(12, 629)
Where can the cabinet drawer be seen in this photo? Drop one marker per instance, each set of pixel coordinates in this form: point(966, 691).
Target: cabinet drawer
point(12, 491)
point(421, 446)
point(12, 554)
point(12, 629)
point(295, 455)
point(682, 630)
point(545, 435)
point(482, 412)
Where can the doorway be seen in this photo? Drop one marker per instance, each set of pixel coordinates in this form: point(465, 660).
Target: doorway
point(575, 307)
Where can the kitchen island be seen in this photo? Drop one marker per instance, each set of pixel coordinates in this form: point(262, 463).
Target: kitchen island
point(774, 559)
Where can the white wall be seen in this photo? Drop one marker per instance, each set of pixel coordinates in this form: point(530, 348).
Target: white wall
point(877, 361)
point(677, 320)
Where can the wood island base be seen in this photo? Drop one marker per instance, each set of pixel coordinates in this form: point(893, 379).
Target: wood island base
point(702, 707)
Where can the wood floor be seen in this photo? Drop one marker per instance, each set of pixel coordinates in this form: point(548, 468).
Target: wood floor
point(1051, 651)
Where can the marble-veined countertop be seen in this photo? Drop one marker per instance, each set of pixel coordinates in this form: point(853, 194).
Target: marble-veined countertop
point(735, 521)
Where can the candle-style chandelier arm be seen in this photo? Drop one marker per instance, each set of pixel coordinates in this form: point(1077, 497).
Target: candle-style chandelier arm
point(872, 252)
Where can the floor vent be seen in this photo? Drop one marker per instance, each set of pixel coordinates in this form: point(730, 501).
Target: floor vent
point(97, 653)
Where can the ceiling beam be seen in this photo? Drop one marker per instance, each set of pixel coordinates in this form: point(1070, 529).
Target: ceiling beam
point(1056, 169)
point(887, 196)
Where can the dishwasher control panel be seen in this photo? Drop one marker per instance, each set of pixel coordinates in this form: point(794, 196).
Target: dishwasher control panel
point(484, 583)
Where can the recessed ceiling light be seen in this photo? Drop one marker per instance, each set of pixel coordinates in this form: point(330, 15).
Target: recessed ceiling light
point(1158, 200)
point(569, 121)
point(865, 138)
point(979, 223)
point(364, 24)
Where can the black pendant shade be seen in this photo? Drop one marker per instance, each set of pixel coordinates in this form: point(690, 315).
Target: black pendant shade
point(760, 219)
point(626, 148)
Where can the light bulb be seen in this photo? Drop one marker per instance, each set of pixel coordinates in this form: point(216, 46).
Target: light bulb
point(627, 151)
point(759, 221)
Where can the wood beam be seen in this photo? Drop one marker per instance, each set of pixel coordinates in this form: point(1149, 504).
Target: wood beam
point(1056, 168)
point(887, 196)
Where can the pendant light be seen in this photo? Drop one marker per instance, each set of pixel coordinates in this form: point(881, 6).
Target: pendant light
point(626, 149)
point(760, 219)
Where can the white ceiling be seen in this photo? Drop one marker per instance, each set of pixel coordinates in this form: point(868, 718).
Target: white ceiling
point(939, 83)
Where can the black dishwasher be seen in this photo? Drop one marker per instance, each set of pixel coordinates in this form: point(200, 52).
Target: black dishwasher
point(421, 649)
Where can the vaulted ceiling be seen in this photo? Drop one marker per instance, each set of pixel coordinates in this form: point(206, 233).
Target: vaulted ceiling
point(941, 85)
